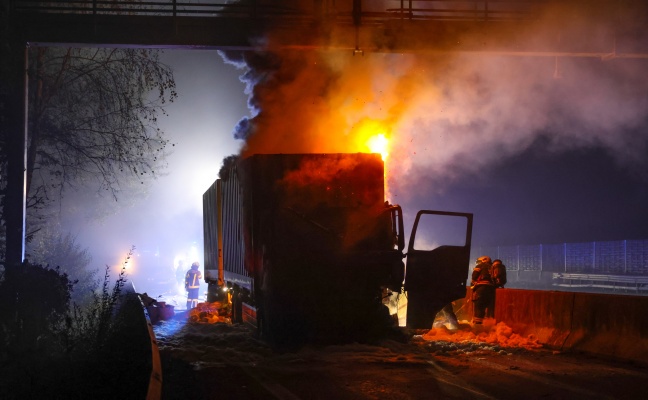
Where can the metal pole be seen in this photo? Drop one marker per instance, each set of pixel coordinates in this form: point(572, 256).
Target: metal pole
point(24, 142)
point(565, 255)
point(14, 208)
point(625, 256)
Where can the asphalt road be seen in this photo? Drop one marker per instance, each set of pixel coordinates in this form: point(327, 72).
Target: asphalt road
point(226, 361)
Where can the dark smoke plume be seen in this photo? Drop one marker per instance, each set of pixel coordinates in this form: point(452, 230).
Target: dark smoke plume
point(450, 113)
point(460, 109)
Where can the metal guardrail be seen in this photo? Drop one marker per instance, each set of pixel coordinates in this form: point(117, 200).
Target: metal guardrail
point(391, 25)
point(151, 8)
point(419, 10)
point(636, 283)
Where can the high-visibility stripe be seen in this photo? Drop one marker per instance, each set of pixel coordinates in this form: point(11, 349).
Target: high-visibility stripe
point(193, 281)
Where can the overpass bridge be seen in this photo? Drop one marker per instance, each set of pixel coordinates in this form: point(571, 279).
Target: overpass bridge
point(602, 30)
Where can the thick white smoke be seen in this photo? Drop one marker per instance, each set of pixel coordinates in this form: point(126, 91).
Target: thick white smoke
point(487, 108)
point(456, 114)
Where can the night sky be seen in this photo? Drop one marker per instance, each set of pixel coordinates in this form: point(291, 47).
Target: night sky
point(539, 197)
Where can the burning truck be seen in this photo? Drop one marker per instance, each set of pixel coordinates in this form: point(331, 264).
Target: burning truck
point(305, 248)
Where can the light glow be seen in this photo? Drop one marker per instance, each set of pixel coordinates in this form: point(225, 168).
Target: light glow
point(379, 144)
point(372, 136)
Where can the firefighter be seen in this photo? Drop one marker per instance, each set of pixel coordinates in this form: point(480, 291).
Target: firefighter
point(499, 274)
point(483, 295)
point(192, 285)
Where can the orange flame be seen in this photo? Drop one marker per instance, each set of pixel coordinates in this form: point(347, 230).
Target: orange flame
point(371, 136)
point(378, 144)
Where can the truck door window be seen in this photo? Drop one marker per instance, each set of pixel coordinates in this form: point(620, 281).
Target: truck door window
point(434, 231)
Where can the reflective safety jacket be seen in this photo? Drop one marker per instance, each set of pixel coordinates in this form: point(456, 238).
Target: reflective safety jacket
point(481, 275)
point(192, 279)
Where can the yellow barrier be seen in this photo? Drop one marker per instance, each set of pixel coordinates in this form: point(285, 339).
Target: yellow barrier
point(155, 383)
point(154, 391)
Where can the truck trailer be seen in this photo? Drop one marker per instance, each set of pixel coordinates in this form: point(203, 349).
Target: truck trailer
point(306, 248)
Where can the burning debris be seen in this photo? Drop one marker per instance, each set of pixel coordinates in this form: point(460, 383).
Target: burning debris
point(489, 337)
point(211, 313)
point(203, 313)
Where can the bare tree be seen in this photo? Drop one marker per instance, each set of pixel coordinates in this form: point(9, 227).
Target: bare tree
point(92, 122)
point(93, 117)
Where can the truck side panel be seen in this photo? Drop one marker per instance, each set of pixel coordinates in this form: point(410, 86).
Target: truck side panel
point(308, 244)
point(315, 246)
point(233, 243)
point(210, 234)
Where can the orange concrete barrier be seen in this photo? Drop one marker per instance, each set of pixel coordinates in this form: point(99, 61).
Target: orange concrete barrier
point(602, 324)
point(154, 391)
point(546, 315)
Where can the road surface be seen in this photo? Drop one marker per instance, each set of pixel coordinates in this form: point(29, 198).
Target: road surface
point(216, 361)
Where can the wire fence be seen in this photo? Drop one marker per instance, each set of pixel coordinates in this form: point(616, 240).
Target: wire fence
point(622, 257)
point(619, 267)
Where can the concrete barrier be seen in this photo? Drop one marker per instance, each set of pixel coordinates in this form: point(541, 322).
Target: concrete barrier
point(603, 324)
point(145, 330)
point(154, 391)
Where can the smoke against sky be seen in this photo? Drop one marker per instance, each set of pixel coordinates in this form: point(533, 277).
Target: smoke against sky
point(459, 121)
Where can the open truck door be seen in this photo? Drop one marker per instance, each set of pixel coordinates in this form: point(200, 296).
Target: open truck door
point(438, 259)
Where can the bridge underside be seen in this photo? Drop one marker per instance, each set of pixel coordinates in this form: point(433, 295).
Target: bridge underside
point(539, 37)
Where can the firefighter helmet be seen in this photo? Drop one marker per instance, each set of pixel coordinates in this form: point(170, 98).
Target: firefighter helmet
point(483, 259)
